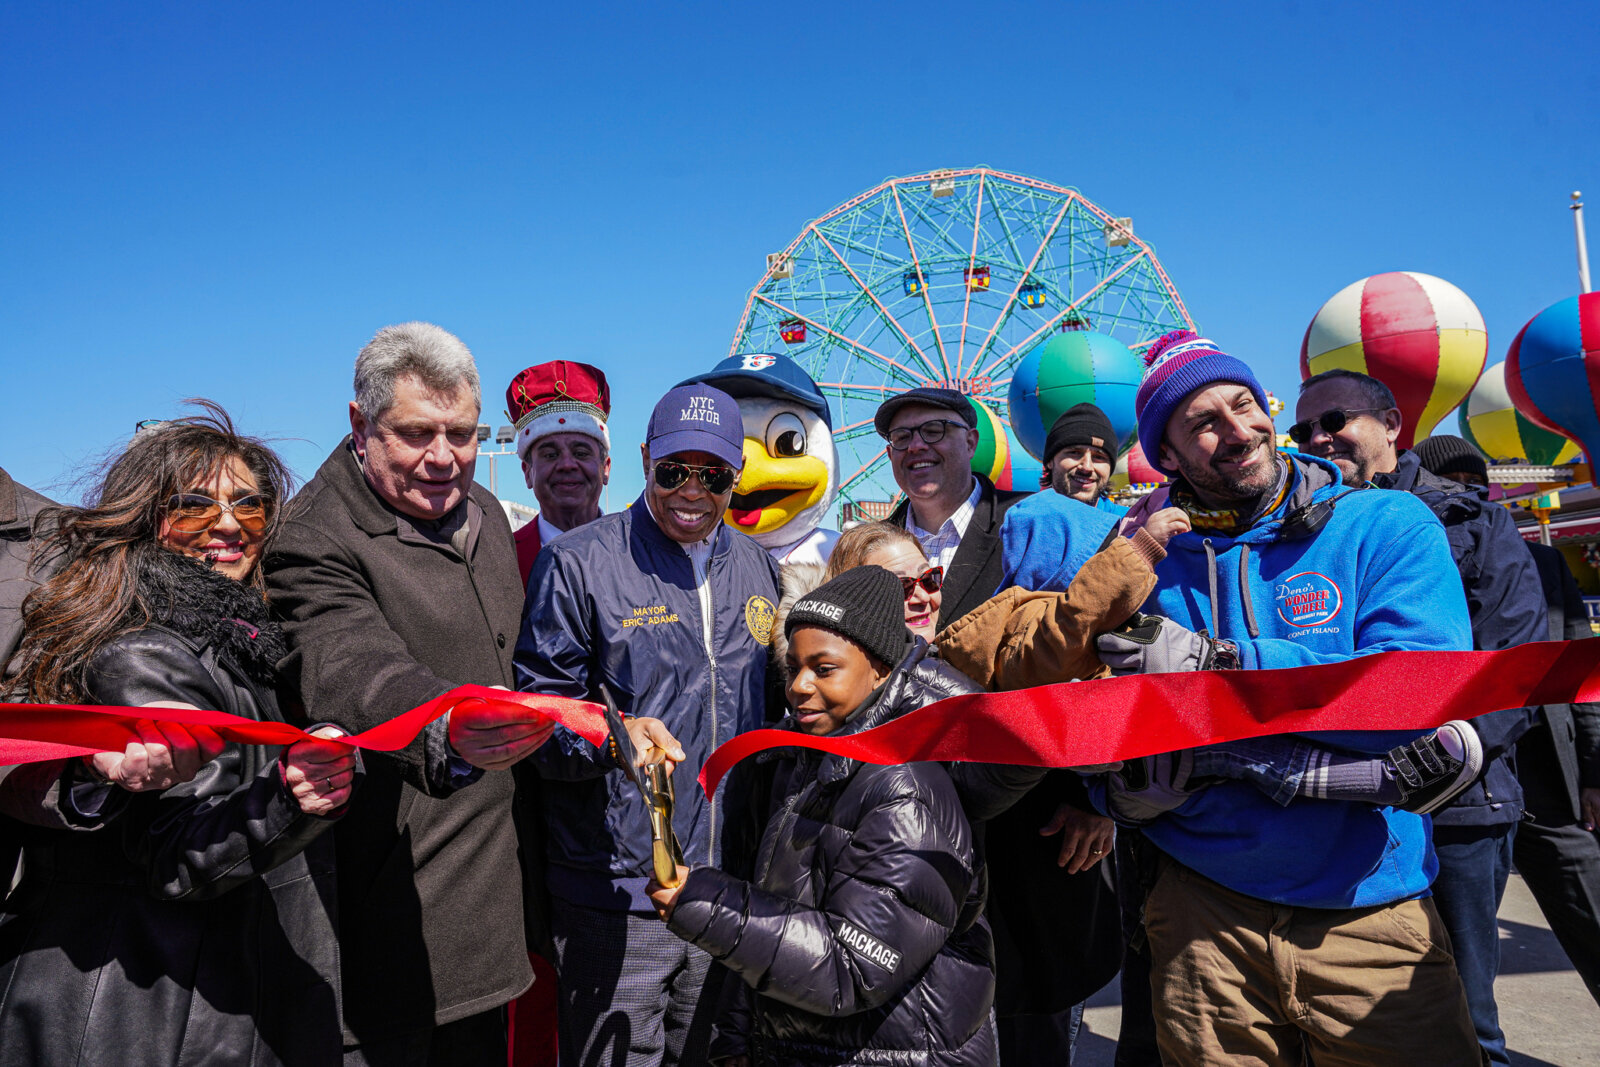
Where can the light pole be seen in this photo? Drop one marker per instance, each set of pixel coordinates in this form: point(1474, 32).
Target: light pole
point(505, 436)
point(1583, 247)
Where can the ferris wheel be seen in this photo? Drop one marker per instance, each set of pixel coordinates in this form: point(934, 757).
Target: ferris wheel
point(947, 278)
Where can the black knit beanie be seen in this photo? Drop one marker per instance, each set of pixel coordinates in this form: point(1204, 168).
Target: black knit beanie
point(865, 604)
point(1446, 454)
point(1081, 424)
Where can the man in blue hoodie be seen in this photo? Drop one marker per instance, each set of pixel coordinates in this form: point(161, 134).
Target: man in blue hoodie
point(1281, 934)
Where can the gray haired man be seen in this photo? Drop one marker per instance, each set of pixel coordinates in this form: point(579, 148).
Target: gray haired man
point(396, 577)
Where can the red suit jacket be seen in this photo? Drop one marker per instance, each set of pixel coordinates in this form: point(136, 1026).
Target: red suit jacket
point(528, 544)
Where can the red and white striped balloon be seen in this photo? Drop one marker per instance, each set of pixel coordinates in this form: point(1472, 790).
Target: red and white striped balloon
point(1417, 334)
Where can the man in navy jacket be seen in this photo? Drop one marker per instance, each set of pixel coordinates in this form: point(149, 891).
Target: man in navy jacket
point(672, 611)
point(1353, 420)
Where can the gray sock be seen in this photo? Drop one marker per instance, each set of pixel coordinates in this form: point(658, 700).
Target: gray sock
point(1335, 776)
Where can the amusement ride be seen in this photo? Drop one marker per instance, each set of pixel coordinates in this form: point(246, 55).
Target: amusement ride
point(1026, 296)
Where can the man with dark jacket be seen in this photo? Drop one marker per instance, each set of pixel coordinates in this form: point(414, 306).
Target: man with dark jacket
point(932, 436)
point(670, 610)
point(396, 579)
point(1352, 420)
point(19, 574)
point(1558, 763)
point(1558, 759)
point(931, 456)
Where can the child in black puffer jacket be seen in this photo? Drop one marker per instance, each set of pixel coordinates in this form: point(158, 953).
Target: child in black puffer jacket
point(860, 939)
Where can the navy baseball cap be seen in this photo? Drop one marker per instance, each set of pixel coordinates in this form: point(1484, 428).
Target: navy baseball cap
point(948, 399)
point(766, 374)
point(697, 418)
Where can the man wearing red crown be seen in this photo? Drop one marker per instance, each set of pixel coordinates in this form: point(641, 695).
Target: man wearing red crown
point(560, 410)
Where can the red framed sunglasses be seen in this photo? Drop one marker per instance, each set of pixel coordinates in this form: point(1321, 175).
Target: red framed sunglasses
point(931, 581)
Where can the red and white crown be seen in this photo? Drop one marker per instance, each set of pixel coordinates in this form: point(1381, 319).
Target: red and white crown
point(559, 397)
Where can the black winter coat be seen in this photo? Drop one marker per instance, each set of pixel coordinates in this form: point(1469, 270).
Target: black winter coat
point(861, 935)
point(380, 619)
point(20, 574)
point(1506, 604)
point(1572, 738)
point(193, 925)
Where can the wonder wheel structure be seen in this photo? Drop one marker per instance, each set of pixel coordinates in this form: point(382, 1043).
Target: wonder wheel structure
point(947, 278)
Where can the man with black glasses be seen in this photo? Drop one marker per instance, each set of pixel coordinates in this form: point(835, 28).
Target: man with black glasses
point(671, 610)
point(932, 435)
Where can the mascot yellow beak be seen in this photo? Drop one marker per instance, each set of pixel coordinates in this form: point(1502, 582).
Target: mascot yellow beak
point(773, 489)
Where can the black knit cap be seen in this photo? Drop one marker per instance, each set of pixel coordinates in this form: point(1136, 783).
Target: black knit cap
point(1081, 424)
point(948, 399)
point(865, 604)
point(1446, 454)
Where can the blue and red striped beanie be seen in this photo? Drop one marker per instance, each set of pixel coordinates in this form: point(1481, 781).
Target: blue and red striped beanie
point(1175, 366)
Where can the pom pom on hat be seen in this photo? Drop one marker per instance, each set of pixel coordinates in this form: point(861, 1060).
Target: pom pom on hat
point(1177, 364)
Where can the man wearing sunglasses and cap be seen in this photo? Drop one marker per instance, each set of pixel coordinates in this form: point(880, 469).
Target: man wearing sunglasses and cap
point(1353, 420)
point(672, 611)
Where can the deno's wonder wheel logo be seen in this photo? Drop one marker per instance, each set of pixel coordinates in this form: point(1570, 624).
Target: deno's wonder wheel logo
point(1308, 599)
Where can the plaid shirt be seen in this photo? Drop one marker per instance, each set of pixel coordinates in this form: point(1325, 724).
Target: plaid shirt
point(940, 547)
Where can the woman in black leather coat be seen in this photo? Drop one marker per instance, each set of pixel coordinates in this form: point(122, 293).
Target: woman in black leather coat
point(860, 938)
point(189, 923)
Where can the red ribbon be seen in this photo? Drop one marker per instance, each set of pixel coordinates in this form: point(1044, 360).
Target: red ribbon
point(33, 732)
point(1078, 724)
point(1064, 725)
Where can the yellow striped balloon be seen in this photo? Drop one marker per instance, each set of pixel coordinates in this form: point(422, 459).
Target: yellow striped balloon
point(1417, 334)
point(1498, 430)
point(1000, 457)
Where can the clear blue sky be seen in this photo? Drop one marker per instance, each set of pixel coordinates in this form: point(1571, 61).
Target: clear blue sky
point(227, 200)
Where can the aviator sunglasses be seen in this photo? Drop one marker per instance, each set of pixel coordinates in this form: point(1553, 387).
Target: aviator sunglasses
point(194, 512)
point(931, 581)
point(670, 474)
point(1332, 421)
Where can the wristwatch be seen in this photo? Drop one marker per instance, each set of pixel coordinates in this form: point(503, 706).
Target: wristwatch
point(1224, 655)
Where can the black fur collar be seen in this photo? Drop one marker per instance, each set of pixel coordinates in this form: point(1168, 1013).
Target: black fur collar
point(188, 597)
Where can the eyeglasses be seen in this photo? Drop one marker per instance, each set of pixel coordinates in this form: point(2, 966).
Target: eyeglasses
point(193, 512)
point(931, 432)
point(931, 581)
point(716, 480)
point(1331, 421)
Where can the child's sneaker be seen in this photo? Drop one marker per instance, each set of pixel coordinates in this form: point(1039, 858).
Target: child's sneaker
point(1433, 770)
point(1146, 788)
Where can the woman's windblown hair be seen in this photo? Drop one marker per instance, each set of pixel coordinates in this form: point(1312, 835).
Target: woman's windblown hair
point(94, 597)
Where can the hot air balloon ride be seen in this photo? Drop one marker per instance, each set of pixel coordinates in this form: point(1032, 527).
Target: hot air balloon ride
point(1496, 428)
point(1417, 334)
point(1073, 367)
point(1000, 457)
point(1553, 370)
